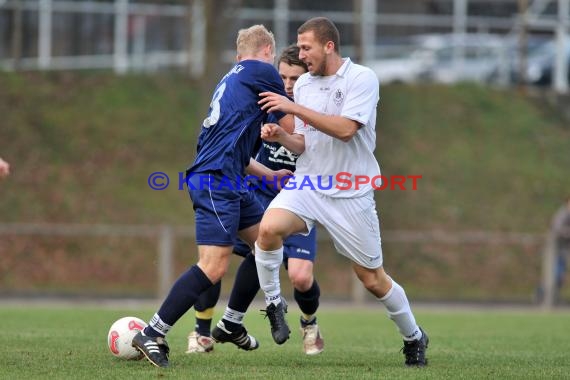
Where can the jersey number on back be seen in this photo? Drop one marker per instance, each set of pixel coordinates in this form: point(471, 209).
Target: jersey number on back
point(214, 115)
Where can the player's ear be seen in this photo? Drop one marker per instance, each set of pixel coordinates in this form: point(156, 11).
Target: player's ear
point(238, 57)
point(269, 52)
point(329, 47)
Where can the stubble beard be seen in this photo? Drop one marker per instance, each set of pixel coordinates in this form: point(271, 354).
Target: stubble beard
point(321, 69)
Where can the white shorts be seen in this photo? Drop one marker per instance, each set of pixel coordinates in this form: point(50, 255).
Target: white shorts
point(351, 222)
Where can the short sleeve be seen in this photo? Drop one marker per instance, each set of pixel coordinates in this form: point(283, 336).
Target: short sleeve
point(362, 97)
point(269, 80)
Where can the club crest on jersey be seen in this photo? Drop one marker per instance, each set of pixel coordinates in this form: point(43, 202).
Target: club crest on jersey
point(338, 97)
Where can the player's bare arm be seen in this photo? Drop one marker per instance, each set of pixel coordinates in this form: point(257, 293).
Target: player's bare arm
point(336, 126)
point(259, 170)
point(5, 167)
point(274, 133)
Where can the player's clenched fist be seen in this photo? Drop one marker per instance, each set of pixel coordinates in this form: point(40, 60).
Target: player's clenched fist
point(271, 132)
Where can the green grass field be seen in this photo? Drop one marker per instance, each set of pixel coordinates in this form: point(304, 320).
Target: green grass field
point(70, 342)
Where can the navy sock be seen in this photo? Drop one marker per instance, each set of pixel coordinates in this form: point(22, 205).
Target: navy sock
point(182, 297)
point(308, 301)
point(203, 326)
point(246, 286)
point(305, 323)
point(207, 300)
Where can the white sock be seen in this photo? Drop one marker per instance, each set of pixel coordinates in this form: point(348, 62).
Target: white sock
point(159, 325)
point(400, 312)
point(268, 263)
point(231, 315)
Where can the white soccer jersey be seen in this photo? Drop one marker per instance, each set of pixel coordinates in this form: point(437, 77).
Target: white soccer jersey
point(353, 92)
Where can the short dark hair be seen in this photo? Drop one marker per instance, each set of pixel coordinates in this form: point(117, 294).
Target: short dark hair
point(290, 56)
point(324, 29)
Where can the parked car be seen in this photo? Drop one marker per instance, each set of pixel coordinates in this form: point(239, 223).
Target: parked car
point(538, 53)
point(432, 57)
point(541, 62)
point(470, 57)
point(402, 63)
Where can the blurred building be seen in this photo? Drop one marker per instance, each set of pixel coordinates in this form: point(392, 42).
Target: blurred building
point(150, 35)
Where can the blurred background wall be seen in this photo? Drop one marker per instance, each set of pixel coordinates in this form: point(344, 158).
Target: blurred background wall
point(131, 35)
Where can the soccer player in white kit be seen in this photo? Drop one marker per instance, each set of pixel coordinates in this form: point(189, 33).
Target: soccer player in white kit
point(335, 118)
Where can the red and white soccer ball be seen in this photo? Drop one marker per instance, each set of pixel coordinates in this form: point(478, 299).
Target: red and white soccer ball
point(121, 335)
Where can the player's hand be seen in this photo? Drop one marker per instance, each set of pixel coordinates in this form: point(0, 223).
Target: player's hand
point(271, 102)
point(271, 132)
point(282, 176)
point(4, 168)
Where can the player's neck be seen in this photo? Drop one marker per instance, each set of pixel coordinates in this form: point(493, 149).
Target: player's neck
point(262, 56)
point(333, 65)
point(253, 58)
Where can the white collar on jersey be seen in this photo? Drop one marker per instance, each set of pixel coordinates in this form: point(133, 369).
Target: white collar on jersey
point(342, 70)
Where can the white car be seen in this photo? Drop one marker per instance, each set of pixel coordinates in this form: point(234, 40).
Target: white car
point(443, 58)
point(401, 64)
point(460, 58)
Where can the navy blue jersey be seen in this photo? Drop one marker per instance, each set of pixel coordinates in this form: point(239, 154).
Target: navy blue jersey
point(275, 157)
point(231, 131)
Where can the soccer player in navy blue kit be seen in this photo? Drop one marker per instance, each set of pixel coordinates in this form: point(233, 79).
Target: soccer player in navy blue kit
point(223, 207)
point(299, 254)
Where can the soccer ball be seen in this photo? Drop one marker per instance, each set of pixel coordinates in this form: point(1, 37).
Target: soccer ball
point(121, 335)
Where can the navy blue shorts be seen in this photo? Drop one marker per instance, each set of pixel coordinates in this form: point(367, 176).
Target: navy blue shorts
point(295, 246)
point(241, 248)
point(301, 247)
point(221, 211)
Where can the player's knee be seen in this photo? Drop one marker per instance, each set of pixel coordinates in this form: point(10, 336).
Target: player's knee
point(214, 273)
point(301, 280)
point(269, 232)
